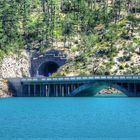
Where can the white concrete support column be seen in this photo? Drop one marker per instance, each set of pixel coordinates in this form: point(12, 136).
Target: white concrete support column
point(68, 89)
point(48, 90)
point(56, 87)
point(45, 89)
point(63, 90)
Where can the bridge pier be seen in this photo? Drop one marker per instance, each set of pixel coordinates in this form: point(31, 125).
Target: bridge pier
point(44, 90)
point(66, 91)
point(60, 90)
point(56, 90)
point(135, 88)
point(34, 91)
point(29, 91)
point(40, 90)
point(48, 90)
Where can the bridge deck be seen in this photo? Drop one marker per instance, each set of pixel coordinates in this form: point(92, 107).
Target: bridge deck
point(69, 86)
point(80, 78)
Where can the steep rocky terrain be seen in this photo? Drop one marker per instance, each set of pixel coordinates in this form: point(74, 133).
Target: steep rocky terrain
point(100, 37)
point(4, 91)
point(15, 65)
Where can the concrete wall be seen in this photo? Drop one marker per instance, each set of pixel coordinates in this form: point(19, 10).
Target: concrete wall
point(15, 86)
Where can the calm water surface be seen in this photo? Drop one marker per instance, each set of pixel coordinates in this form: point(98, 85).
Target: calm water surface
point(74, 118)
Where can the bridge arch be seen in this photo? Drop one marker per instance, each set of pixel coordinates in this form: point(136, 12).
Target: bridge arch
point(94, 88)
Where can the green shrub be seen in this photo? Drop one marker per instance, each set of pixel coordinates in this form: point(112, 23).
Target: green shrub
point(57, 74)
point(74, 49)
point(121, 67)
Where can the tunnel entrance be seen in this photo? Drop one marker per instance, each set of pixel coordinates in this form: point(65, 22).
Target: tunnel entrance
point(47, 69)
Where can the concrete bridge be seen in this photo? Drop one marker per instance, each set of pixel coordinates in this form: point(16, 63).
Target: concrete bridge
point(77, 86)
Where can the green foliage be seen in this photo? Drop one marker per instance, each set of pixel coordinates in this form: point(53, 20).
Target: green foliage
point(122, 66)
point(1, 54)
point(96, 26)
point(74, 49)
point(58, 74)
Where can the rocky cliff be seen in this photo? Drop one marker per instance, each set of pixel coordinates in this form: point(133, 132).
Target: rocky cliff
point(4, 90)
point(15, 65)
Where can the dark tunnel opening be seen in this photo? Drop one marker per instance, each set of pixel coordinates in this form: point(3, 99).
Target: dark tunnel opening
point(48, 68)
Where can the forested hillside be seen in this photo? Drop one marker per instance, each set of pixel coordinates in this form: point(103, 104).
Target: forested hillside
point(99, 36)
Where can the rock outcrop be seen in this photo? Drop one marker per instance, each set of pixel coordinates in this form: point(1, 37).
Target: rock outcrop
point(4, 90)
point(15, 65)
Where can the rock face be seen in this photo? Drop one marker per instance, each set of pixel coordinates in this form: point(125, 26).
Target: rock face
point(110, 91)
point(15, 66)
point(4, 91)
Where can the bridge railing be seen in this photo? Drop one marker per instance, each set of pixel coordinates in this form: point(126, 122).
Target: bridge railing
point(82, 78)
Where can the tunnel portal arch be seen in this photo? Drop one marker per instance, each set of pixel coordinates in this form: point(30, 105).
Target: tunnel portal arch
point(48, 63)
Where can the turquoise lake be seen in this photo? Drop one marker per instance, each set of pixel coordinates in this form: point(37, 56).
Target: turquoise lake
point(70, 118)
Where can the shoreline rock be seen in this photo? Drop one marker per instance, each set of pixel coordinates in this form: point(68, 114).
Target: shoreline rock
point(4, 89)
point(110, 91)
